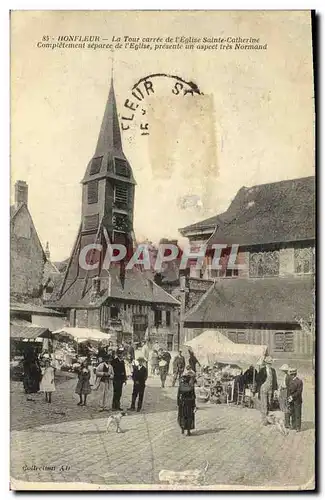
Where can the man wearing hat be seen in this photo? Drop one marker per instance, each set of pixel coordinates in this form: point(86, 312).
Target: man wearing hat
point(139, 376)
point(119, 379)
point(295, 388)
point(283, 394)
point(267, 383)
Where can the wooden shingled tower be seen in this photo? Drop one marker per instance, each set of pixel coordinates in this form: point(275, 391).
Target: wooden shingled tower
point(107, 201)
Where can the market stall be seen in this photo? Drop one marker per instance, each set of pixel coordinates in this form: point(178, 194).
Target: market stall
point(228, 370)
point(71, 345)
point(24, 337)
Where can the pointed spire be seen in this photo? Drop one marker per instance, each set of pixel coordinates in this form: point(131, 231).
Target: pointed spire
point(109, 136)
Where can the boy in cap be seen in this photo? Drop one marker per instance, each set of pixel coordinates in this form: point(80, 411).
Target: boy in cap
point(139, 376)
point(295, 388)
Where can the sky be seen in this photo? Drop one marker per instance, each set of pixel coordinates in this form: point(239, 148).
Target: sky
point(252, 125)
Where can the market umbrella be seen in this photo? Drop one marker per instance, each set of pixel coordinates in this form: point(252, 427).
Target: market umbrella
point(83, 334)
point(212, 346)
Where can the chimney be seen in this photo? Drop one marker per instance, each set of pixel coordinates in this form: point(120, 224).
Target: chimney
point(21, 192)
point(47, 251)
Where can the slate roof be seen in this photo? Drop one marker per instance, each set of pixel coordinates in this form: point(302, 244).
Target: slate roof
point(137, 287)
point(209, 223)
point(260, 300)
point(28, 332)
point(268, 213)
point(33, 309)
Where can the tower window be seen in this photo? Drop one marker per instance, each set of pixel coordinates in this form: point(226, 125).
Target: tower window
point(121, 168)
point(92, 192)
point(96, 163)
point(91, 222)
point(121, 194)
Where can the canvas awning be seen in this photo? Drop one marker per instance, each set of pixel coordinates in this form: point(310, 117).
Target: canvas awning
point(212, 346)
point(29, 332)
point(83, 334)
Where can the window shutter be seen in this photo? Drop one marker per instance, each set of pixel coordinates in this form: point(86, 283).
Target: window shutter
point(121, 193)
point(92, 192)
point(91, 222)
point(96, 165)
point(121, 168)
point(279, 342)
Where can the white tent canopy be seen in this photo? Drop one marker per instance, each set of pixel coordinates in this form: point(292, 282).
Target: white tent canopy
point(84, 334)
point(212, 346)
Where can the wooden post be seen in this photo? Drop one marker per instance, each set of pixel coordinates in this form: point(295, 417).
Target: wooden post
point(183, 291)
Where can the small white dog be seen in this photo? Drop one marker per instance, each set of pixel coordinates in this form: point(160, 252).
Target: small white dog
point(115, 419)
point(277, 418)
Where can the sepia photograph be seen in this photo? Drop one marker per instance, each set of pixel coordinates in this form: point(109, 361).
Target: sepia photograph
point(162, 250)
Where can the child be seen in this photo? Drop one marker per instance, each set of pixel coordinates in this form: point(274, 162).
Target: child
point(47, 382)
point(83, 386)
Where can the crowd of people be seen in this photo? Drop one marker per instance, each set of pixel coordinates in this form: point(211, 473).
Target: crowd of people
point(109, 371)
point(289, 392)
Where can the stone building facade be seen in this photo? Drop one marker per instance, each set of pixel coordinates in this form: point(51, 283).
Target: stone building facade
point(27, 257)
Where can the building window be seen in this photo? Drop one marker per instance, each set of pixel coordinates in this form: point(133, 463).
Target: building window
point(49, 288)
point(158, 317)
point(284, 342)
point(167, 318)
point(304, 260)
point(91, 222)
point(114, 312)
point(231, 272)
point(121, 168)
point(96, 164)
point(222, 273)
point(264, 264)
point(237, 336)
point(140, 324)
point(92, 192)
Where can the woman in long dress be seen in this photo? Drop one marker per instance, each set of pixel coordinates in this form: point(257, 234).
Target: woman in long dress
point(186, 404)
point(47, 383)
point(32, 373)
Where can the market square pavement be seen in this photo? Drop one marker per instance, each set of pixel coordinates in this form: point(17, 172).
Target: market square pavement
point(72, 444)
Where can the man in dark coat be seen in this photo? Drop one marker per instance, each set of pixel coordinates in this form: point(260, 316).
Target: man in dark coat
point(267, 383)
point(139, 376)
point(118, 380)
point(178, 367)
point(295, 388)
point(283, 394)
point(192, 360)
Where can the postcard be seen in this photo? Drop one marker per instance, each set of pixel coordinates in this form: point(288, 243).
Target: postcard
point(162, 247)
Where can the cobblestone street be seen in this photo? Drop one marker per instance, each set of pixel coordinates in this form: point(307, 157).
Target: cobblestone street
point(70, 443)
